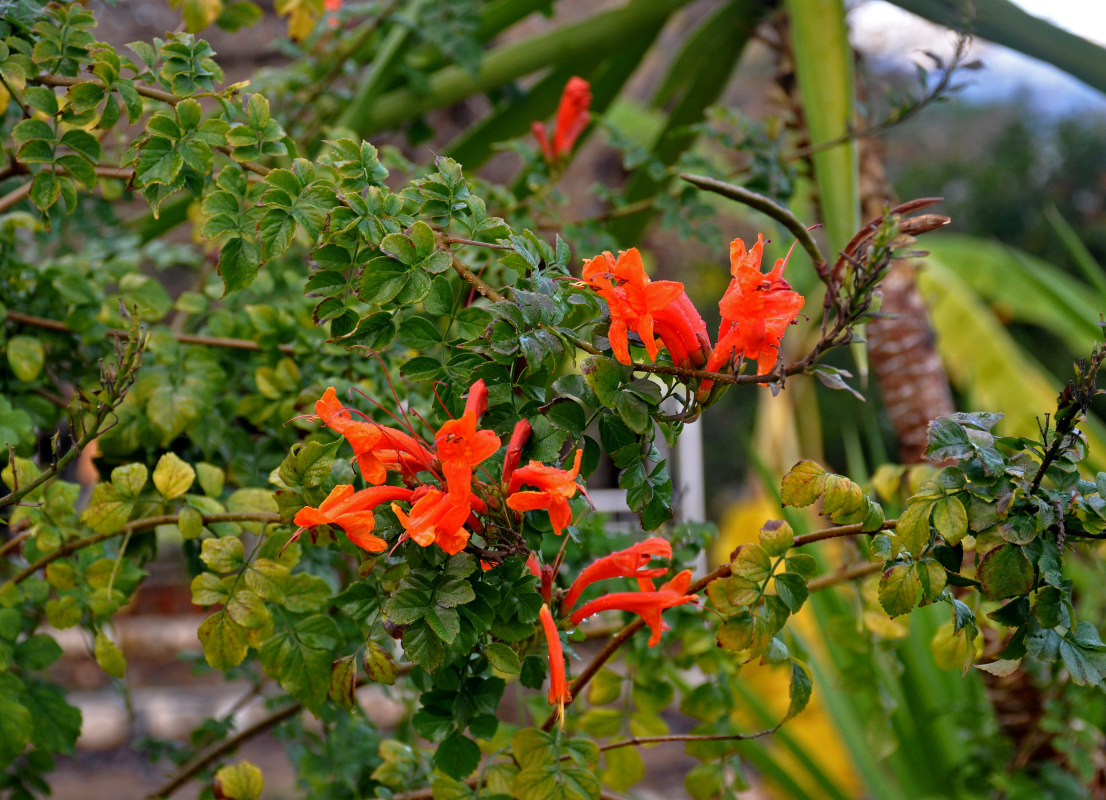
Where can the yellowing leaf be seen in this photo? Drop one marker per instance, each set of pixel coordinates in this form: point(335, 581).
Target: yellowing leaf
point(242, 781)
point(302, 15)
point(173, 476)
point(803, 484)
point(109, 656)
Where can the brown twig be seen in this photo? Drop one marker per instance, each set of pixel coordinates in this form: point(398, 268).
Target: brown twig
point(202, 760)
point(184, 338)
point(848, 572)
point(475, 243)
point(766, 206)
point(132, 527)
point(689, 737)
point(475, 282)
point(14, 196)
point(15, 541)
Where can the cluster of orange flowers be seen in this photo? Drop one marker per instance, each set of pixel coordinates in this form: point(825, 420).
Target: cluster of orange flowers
point(435, 516)
point(445, 500)
point(756, 310)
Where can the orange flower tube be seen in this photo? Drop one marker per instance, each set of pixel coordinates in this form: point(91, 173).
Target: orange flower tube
point(628, 563)
point(647, 605)
point(558, 688)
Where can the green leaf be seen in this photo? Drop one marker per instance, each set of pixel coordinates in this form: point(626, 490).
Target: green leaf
point(242, 781)
point(37, 652)
point(224, 641)
point(56, 724)
point(552, 782)
point(15, 722)
point(423, 646)
point(191, 523)
point(173, 476)
point(239, 261)
point(26, 356)
point(457, 756)
point(1005, 572)
point(802, 485)
point(300, 659)
point(419, 333)
point(625, 768)
point(444, 622)
point(800, 690)
point(503, 658)
point(1081, 668)
point(109, 656)
point(45, 189)
point(604, 376)
point(381, 280)
point(932, 577)
point(792, 589)
point(899, 589)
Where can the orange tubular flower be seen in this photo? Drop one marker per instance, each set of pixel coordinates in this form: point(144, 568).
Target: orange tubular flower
point(647, 605)
point(558, 688)
point(756, 310)
point(514, 448)
point(377, 447)
point(572, 118)
point(461, 446)
point(555, 486)
point(436, 517)
point(629, 563)
point(352, 512)
point(647, 307)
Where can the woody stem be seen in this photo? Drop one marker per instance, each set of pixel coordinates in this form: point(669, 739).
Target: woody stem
point(131, 527)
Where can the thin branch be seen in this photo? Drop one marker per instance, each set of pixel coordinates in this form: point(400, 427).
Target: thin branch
point(131, 527)
point(766, 206)
point(15, 196)
point(154, 94)
point(200, 762)
point(476, 283)
point(203, 760)
point(141, 88)
point(15, 541)
point(841, 530)
point(899, 115)
point(475, 243)
point(184, 338)
point(849, 572)
point(689, 737)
